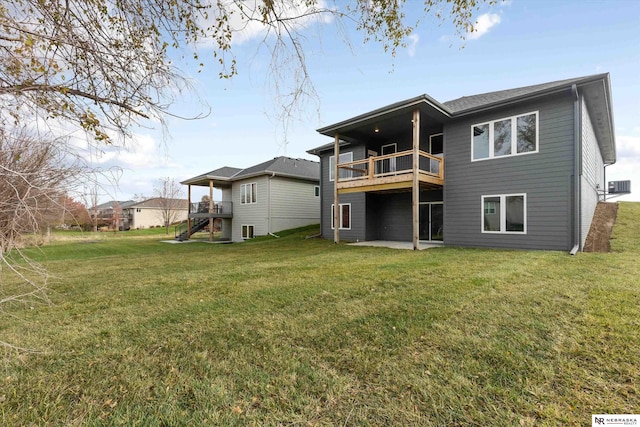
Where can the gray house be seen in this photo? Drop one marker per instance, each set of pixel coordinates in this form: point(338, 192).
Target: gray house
point(519, 168)
point(278, 194)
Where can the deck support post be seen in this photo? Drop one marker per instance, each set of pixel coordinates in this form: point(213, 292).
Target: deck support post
point(211, 210)
point(336, 205)
point(415, 189)
point(189, 212)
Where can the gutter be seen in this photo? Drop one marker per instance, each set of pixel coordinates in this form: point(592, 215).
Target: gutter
point(577, 241)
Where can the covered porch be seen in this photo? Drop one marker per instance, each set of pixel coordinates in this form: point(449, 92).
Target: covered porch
point(204, 213)
point(403, 152)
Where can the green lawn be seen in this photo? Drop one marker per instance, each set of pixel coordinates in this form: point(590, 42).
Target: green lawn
point(304, 332)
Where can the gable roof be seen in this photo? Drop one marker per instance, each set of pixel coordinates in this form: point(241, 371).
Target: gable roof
point(283, 166)
point(596, 90)
point(223, 173)
point(278, 166)
point(112, 204)
point(491, 99)
point(159, 203)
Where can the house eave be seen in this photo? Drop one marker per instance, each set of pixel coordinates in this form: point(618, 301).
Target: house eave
point(203, 180)
point(326, 147)
point(278, 174)
point(597, 97)
point(422, 101)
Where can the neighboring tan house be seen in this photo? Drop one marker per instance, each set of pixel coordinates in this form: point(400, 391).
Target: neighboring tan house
point(519, 168)
point(155, 212)
point(276, 195)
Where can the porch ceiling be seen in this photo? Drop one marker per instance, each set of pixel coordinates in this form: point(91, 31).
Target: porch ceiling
point(393, 121)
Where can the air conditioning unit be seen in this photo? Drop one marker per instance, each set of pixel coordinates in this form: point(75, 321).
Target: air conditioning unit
point(619, 187)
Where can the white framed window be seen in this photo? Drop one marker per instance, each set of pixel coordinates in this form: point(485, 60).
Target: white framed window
point(316, 190)
point(248, 193)
point(247, 231)
point(344, 158)
point(511, 136)
point(504, 213)
point(345, 216)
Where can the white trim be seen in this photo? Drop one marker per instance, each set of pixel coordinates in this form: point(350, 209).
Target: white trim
point(242, 190)
point(514, 136)
point(332, 166)
point(503, 213)
point(242, 234)
point(431, 144)
point(340, 216)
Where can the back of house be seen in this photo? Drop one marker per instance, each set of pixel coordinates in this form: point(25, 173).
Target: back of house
point(518, 168)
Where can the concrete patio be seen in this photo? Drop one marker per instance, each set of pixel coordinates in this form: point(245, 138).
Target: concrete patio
point(397, 245)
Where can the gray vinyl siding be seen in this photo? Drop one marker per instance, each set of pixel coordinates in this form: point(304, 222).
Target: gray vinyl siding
point(293, 204)
point(592, 173)
point(394, 216)
point(545, 178)
point(227, 223)
point(250, 214)
point(390, 216)
point(357, 200)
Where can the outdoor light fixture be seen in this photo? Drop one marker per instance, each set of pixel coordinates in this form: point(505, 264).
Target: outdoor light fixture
point(376, 130)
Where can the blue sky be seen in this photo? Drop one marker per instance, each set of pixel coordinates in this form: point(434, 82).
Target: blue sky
point(520, 43)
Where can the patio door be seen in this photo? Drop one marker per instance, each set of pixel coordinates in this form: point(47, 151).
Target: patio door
point(431, 221)
point(436, 147)
point(389, 165)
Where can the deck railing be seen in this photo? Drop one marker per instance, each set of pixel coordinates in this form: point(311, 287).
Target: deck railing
point(390, 165)
point(218, 208)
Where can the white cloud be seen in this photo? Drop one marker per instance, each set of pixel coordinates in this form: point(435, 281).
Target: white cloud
point(483, 24)
point(246, 24)
point(628, 147)
point(413, 44)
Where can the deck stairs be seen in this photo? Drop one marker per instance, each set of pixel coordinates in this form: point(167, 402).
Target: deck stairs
point(182, 235)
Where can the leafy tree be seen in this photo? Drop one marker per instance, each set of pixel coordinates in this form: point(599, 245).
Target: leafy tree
point(75, 213)
point(106, 64)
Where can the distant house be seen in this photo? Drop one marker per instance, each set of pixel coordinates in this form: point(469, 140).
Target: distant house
point(275, 195)
point(110, 214)
point(518, 168)
point(155, 212)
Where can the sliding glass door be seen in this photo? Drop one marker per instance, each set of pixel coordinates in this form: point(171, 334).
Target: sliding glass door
point(431, 221)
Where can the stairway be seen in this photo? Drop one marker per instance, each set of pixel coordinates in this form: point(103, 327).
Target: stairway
point(195, 227)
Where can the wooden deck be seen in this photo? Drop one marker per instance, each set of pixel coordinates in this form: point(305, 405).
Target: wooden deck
point(391, 172)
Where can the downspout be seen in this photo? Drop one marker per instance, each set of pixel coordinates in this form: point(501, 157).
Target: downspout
point(189, 212)
point(273, 174)
point(604, 184)
point(576, 171)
